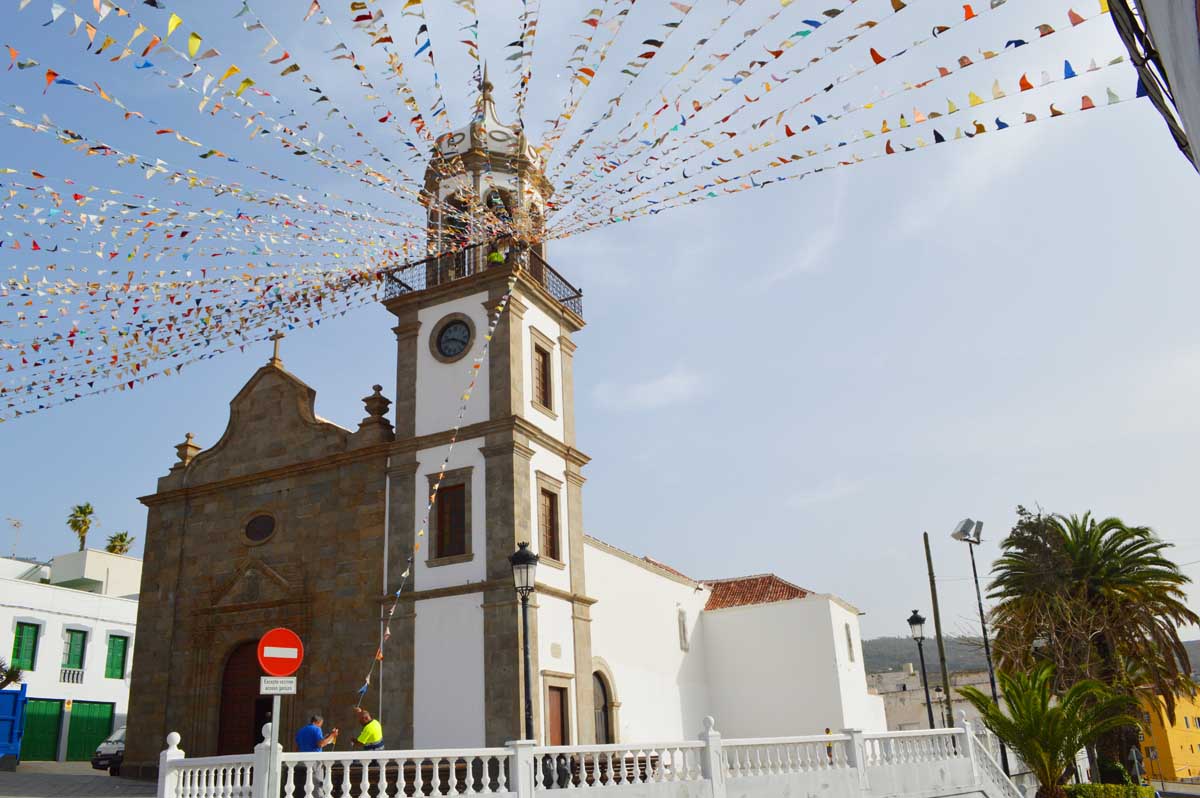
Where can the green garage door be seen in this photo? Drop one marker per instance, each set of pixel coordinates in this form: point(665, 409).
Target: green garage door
point(91, 722)
point(43, 723)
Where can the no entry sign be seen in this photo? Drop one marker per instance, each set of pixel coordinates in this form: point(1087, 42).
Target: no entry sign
point(280, 652)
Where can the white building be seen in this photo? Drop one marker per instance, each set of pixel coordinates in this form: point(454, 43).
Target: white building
point(69, 626)
point(904, 697)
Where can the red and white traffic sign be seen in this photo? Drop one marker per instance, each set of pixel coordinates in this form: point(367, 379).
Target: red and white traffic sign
point(280, 652)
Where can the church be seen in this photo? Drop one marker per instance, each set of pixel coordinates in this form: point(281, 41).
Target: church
point(292, 520)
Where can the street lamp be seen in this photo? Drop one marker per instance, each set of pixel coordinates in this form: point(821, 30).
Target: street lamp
point(971, 533)
point(916, 625)
point(524, 567)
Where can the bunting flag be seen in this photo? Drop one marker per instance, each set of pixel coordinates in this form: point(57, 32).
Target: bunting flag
point(106, 287)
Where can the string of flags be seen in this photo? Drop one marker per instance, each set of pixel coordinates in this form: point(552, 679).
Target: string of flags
point(115, 280)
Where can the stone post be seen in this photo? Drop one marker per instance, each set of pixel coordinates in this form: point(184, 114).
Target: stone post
point(712, 759)
point(522, 768)
point(969, 747)
point(266, 767)
point(168, 778)
point(856, 756)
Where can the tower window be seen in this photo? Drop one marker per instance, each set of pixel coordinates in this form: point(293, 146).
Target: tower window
point(541, 378)
point(452, 521)
point(849, 643)
point(681, 617)
point(548, 524)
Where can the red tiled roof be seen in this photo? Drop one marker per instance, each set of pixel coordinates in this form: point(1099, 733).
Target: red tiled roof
point(745, 590)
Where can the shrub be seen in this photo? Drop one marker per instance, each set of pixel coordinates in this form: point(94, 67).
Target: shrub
point(1108, 791)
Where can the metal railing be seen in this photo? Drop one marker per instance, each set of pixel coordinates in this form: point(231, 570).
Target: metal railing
point(450, 267)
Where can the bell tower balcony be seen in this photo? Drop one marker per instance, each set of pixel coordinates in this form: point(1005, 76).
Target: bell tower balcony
point(472, 264)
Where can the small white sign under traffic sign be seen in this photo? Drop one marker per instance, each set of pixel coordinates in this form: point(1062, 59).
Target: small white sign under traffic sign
point(276, 685)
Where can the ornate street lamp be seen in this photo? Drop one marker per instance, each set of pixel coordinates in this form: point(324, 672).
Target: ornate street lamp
point(971, 533)
point(916, 625)
point(524, 567)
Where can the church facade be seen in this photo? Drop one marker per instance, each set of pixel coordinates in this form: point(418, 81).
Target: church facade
point(292, 520)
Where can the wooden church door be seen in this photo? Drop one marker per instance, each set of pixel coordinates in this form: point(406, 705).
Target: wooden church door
point(243, 710)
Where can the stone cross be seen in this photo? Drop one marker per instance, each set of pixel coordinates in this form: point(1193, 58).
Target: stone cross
point(276, 338)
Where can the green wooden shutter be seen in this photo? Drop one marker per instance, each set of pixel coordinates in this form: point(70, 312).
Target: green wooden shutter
point(74, 654)
point(114, 667)
point(25, 646)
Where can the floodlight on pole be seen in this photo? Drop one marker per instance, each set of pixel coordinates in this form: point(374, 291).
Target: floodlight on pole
point(971, 533)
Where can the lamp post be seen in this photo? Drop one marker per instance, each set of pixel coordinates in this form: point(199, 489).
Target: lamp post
point(524, 567)
point(916, 625)
point(971, 533)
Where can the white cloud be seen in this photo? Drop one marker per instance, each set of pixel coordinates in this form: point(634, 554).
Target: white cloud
point(676, 386)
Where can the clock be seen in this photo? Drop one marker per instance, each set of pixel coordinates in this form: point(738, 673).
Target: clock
point(453, 339)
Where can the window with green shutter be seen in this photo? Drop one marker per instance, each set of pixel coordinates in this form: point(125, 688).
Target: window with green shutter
point(24, 651)
point(73, 648)
point(114, 667)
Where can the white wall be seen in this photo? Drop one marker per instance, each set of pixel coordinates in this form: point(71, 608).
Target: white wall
point(440, 386)
point(556, 648)
point(466, 453)
point(782, 669)
point(448, 673)
point(55, 610)
point(663, 690)
point(99, 572)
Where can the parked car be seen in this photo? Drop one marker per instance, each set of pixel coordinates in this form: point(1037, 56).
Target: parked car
point(109, 754)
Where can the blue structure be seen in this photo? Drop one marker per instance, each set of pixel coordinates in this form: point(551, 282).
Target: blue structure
point(12, 725)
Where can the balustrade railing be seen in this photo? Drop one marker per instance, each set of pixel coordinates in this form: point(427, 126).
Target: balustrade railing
point(912, 746)
point(447, 268)
point(851, 764)
point(71, 675)
point(571, 767)
point(760, 757)
point(214, 777)
point(395, 773)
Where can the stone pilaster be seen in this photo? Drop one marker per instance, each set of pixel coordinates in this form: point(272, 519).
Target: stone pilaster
point(581, 621)
point(506, 364)
point(408, 331)
point(398, 664)
point(566, 348)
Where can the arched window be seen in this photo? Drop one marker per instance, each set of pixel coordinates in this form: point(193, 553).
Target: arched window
point(603, 710)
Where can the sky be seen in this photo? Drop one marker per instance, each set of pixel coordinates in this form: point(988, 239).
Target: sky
point(799, 379)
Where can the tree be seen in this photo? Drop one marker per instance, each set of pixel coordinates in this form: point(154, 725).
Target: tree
point(80, 521)
point(1045, 731)
point(119, 543)
point(8, 675)
point(1098, 599)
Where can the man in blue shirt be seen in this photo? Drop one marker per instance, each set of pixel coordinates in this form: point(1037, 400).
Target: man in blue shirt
point(311, 739)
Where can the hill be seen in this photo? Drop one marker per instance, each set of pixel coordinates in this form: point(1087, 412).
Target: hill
point(962, 654)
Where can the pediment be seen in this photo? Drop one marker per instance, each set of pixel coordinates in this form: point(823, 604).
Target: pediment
point(253, 582)
point(272, 423)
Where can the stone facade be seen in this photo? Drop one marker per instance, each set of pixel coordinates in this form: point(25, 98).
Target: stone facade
point(207, 588)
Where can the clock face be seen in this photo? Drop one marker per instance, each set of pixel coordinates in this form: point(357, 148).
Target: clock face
point(453, 339)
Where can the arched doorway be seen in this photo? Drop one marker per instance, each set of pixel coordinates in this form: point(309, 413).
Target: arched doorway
point(243, 710)
point(603, 710)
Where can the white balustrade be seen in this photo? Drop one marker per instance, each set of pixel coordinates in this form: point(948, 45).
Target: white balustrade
point(757, 757)
point(575, 766)
point(845, 765)
point(212, 777)
point(395, 773)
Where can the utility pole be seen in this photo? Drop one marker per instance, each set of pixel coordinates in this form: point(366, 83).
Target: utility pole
point(937, 628)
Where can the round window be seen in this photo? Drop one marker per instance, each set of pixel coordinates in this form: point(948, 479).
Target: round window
point(259, 528)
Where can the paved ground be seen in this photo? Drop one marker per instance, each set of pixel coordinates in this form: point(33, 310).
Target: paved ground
point(67, 779)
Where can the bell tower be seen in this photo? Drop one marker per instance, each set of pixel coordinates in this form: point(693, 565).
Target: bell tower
point(511, 470)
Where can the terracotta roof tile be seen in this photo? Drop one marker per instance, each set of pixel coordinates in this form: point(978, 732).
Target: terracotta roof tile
point(745, 590)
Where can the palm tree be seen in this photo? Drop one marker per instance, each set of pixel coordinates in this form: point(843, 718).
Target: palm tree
point(1045, 731)
point(80, 521)
point(1098, 599)
point(8, 675)
point(119, 543)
